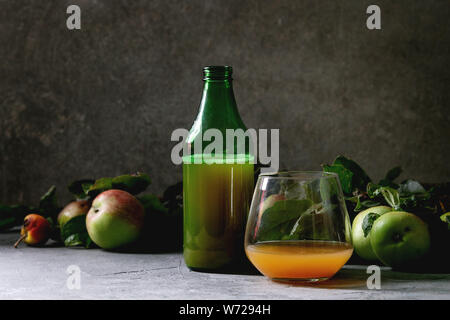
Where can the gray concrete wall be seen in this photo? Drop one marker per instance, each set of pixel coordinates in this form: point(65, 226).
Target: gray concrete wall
point(104, 100)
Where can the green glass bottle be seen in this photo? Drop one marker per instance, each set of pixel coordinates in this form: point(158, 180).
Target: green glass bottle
point(217, 184)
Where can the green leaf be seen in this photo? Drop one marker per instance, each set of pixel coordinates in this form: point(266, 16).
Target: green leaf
point(99, 186)
point(280, 213)
point(329, 189)
point(6, 222)
point(73, 226)
point(132, 183)
point(446, 218)
point(310, 224)
point(74, 232)
point(391, 196)
point(281, 232)
point(79, 188)
point(48, 198)
point(173, 193)
point(86, 186)
point(291, 189)
point(8, 218)
point(373, 190)
point(89, 243)
point(353, 199)
point(73, 240)
point(360, 177)
point(369, 203)
point(351, 175)
point(78, 239)
point(51, 221)
point(152, 203)
point(345, 176)
point(48, 206)
point(359, 205)
point(368, 221)
point(365, 204)
point(391, 175)
point(13, 215)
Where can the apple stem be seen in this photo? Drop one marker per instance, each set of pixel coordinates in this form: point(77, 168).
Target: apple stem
point(442, 206)
point(20, 240)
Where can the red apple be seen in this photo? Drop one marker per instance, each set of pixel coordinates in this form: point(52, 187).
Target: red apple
point(73, 209)
point(115, 219)
point(35, 230)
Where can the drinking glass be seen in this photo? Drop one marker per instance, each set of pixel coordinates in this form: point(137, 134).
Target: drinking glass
point(298, 227)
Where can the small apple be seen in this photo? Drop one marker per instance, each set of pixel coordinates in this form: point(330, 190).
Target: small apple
point(73, 209)
point(361, 243)
point(399, 238)
point(115, 219)
point(35, 231)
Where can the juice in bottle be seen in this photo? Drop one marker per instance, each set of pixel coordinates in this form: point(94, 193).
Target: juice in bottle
point(216, 201)
point(216, 194)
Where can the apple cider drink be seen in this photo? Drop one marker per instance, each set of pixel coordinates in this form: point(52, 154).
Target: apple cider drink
point(217, 179)
point(216, 201)
point(299, 259)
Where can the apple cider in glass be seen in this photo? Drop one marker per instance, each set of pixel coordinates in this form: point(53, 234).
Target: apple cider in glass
point(298, 227)
point(299, 259)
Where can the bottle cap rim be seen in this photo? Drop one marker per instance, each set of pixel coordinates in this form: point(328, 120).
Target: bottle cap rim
point(217, 72)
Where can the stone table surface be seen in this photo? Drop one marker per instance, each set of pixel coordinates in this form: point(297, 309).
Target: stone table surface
point(42, 273)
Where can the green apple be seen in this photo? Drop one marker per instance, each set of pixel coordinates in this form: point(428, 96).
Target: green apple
point(73, 209)
point(399, 238)
point(361, 244)
point(115, 219)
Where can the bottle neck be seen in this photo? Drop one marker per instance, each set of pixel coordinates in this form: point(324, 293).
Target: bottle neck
point(218, 97)
point(218, 110)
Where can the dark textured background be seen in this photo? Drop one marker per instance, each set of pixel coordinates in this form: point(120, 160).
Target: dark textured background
point(104, 100)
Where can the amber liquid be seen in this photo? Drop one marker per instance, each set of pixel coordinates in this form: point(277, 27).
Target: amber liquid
point(299, 260)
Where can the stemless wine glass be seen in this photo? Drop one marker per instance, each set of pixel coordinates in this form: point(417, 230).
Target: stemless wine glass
point(298, 227)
